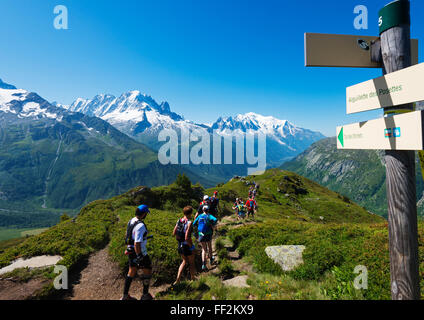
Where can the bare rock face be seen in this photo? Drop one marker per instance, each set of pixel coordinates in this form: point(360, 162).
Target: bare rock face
point(288, 257)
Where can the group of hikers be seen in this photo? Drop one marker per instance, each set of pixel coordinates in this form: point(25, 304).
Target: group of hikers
point(205, 219)
point(249, 207)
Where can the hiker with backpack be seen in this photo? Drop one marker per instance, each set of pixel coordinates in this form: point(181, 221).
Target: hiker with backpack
point(239, 209)
point(205, 224)
point(214, 204)
point(206, 202)
point(136, 241)
point(251, 207)
point(182, 232)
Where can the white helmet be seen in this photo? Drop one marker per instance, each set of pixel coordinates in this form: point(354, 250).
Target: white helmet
point(205, 208)
point(206, 197)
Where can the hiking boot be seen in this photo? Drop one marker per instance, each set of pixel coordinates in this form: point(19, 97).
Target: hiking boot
point(128, 297)
point(204, 268)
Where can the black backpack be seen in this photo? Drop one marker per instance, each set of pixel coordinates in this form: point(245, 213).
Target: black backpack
point(214, 204)
point(181, 230)
point(128, 237)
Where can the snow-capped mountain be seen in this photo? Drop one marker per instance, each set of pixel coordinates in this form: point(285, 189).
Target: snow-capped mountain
point(26, 105)
point(284, 139)
point(135, 114)
point(141, 117)
point(55, 158)
point(273, 128)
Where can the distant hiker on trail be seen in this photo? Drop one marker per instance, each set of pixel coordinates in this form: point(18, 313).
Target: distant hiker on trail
point(250, 191)
point(214, 206)
point(206, 202)
point(206, 223)
point(136, 240)
point(240, 209)
point(235, 208)
point(251, 207)
point(182, 232)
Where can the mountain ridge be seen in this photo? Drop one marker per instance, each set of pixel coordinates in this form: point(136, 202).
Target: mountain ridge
point(141, 117)
point(357, 174)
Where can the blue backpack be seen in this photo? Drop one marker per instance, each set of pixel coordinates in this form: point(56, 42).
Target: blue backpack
point(204, 226)
point(205, 223)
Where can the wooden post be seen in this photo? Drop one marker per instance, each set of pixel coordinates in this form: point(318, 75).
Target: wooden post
point(400, 177)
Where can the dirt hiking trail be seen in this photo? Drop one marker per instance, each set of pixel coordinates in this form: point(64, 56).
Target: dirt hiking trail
point(102, 278)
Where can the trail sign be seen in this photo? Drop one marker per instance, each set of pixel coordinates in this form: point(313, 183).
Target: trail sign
point(396, 88)
point(334, 50)
point(399, 132)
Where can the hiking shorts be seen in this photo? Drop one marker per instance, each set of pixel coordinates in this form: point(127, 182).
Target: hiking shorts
point(185, 249)
point(205, 238)
point(145, 263)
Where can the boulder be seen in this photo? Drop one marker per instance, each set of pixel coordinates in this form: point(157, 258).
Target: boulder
point(288, 257)
point(238, 282)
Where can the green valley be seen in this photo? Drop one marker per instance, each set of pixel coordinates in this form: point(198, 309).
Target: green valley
point(357, 174)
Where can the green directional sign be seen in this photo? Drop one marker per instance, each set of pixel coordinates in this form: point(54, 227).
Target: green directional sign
point(340, 137)
point(399, 132)
point(394, 14)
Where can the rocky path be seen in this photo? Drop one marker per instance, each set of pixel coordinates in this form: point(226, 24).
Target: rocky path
point(102, 278)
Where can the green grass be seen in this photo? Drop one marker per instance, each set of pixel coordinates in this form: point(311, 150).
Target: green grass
point(337, 233)
point(262, 287)
point(6, 234)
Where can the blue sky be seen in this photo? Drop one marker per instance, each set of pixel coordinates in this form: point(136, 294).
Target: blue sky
point(206, 58)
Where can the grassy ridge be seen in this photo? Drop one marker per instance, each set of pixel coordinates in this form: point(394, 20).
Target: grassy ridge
point(337, 233)
point(358, 174)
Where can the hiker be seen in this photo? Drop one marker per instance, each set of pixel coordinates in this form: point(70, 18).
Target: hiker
point(206, 202)
point(235, 206)
point(241, 210)
point(136, 240)
point(214, 204)
point(182, 232)
point(206, 223)
point(250, 191)
point(251, 207)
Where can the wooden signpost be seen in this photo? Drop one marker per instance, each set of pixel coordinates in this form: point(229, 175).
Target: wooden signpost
point(398, 133)
point(395, 33)
point(336, 50)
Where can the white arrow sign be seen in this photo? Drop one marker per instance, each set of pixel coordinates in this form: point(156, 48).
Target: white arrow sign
point(397, 88)
point(399, 132)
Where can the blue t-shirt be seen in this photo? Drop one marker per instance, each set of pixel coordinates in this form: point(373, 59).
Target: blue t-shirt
point(205, 221)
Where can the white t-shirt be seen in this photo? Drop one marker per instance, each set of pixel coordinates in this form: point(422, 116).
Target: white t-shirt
point(140, 235)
